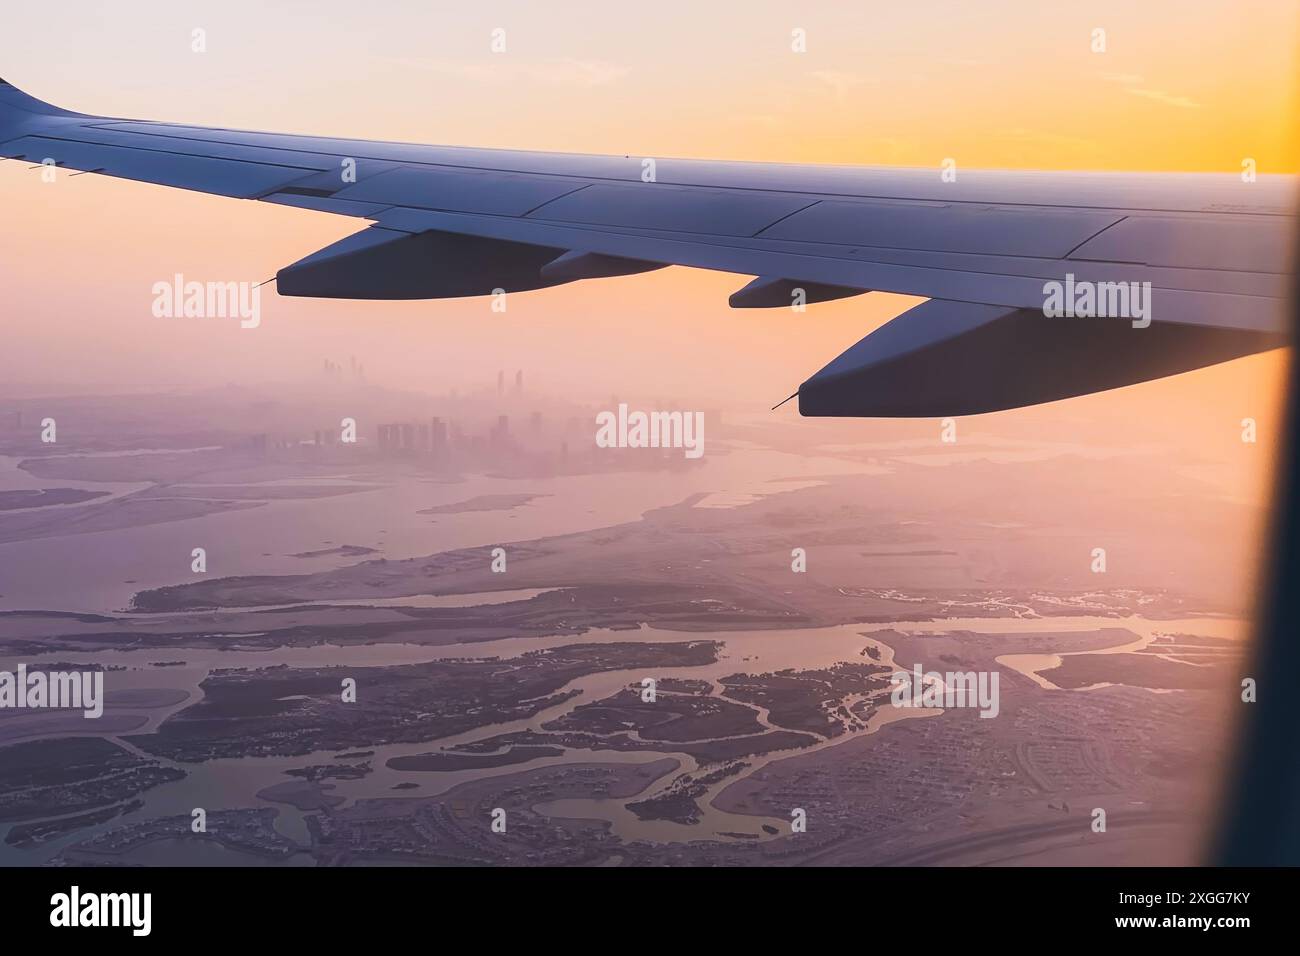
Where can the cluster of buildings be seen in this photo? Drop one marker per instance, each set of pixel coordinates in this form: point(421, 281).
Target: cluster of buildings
point(415, 439)
point(490, 429)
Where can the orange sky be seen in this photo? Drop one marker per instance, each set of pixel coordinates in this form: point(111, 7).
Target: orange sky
point(1187, 86)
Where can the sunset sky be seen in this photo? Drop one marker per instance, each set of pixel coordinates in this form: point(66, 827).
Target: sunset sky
point(1181, 86)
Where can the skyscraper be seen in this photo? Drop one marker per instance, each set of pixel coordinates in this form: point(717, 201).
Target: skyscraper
point(439, 438)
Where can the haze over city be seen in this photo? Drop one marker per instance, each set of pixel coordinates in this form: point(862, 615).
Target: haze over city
point(364, 581)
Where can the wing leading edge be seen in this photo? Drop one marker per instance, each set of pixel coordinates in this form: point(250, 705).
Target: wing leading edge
point(1207, 258)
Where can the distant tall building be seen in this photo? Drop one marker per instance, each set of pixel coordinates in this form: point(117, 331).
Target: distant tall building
point(501, 382)
point(438, 438)
point(500, 433)
point(519, 382)
point(403, 439)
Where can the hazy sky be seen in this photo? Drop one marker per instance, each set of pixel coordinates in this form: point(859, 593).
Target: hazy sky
point(1182, 85)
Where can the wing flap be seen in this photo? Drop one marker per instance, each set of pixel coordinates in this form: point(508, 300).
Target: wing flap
point(1219, 243)
point(495, 194)
point(689, 209)
point(998, 231)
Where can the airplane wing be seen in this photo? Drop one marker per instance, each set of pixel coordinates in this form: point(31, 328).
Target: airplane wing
point(1194, 267)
